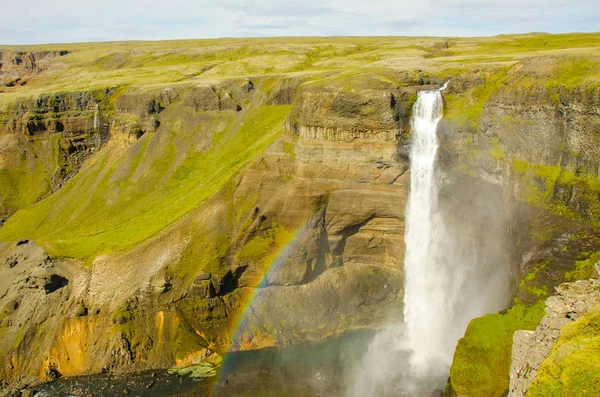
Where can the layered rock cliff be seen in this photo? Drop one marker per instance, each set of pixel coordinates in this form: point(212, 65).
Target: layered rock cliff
point(536, 139)
point(301, 242)
point(238, 213)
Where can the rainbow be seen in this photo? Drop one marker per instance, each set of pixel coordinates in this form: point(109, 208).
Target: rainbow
point(242, 318)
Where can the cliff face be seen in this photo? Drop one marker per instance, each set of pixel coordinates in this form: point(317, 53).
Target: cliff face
point(238, 213)
point(44, 142)
point(536, 140)
point(304, 242)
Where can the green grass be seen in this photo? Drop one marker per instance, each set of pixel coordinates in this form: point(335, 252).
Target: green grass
point(572, 71)
point(23, 184)
point(573, 367)
point(99, 65)
point(528, 284)
point(118, 200)
point(27, 171)
point(514, 44)
point(465, 109)
point(482, 358)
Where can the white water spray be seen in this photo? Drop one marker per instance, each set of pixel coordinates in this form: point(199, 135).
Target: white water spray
point(453, 272)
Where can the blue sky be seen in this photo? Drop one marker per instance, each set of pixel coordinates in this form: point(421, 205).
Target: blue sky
point(59, 21)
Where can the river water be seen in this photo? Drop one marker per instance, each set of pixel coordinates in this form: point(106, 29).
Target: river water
point(307, 370)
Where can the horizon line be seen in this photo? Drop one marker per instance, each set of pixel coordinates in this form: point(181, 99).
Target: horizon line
point(3, 46)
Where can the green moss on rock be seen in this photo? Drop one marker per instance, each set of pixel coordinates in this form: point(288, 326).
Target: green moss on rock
point(288, 147)
point(552, 188)
point(573, 367)
point(584, 269)
point(263, 244)
point(481, 362)
point(466, 108)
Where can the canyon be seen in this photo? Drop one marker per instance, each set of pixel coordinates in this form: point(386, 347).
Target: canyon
point(166, 203)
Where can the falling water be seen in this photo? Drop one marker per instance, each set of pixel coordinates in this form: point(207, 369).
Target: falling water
point(454, 271)
point(427, 331)
point(96, 119)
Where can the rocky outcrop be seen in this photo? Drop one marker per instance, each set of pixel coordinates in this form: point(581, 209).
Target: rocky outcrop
point(531, 348)
point(210, 99)
point(538, 142)
point(343, 203)
point(16, 67)
point(285, 93)
point(540, 125)
point(368, 115)
point(68, 113)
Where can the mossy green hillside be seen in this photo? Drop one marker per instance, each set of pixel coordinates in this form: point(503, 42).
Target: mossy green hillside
point(532, 42)
point(45, 140)
point(528, 285)
point(573, 367)
point(563, 260)
point(30, 171)
point(552, 187)
point(288, 147)
point(481, 362)
point(23, 183)
point(120, 199)
point(558, 75)
point(206, 251)
point(565, 196)
point(262, 243)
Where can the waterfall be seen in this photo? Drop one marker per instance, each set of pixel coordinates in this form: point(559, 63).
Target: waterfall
point(97, 132)
point(427, 330)
point(96, 119)
point(454, 270)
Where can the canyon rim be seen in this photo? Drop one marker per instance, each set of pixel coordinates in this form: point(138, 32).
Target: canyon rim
point(181, 205)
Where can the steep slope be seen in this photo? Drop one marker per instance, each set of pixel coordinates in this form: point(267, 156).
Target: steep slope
point(44, 143)
point(190, 242)
point(246, 194)
point(195, 149)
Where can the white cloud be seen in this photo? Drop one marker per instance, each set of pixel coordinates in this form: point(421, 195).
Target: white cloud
point(42, 21)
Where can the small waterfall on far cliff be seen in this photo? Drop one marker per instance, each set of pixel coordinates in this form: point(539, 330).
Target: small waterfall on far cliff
point(96, 119)
point(454, 270)
point(97, 131)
